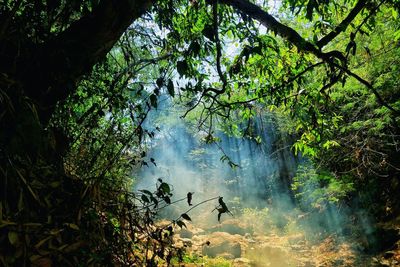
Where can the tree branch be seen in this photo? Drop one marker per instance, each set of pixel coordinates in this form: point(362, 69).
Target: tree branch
point(218, 47)
point(255, 12)
point(293, 37)
point(71, 54)
point(8, 17)
point(275, 88)
point(343, 25)
point(371, 87)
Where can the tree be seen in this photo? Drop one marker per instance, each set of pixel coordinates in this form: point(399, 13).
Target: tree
point(64, 41)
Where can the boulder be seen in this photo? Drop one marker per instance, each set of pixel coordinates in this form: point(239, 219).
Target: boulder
point(214, 250)
point(241, 262)
point(227, 256)
point(221, 242)
point(232, 226)
point(185, 233)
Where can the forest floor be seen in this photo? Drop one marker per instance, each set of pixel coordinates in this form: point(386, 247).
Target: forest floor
point(239, 243)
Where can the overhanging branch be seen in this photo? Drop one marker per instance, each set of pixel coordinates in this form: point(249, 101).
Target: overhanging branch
point(367, 84)
point(343, 25)
point(218, 47)
point(63, 60)
point(289, 34)
point(255, 12)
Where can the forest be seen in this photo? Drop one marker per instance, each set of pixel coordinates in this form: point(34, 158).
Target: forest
point(199, 133)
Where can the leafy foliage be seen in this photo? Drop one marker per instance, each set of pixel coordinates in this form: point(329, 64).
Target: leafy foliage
point(319, 189)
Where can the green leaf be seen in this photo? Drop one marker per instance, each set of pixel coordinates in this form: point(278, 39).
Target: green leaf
point(160, 82)
point(13, 238)
point(147, 192)
point(55, 184)
point(170, 88)
point(396, 36)
point(73, 226)
point(353, 52)
point(310, 8)
point(194, 48)
point(181, 224)
point(167, 200)
point(153, 100)
point(208, 32)
point(155, 201)
point(145, 199)
point(182, 67)
point(165, 188)
point(186, 217)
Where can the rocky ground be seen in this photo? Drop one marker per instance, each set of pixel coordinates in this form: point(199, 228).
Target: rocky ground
point(243, 244)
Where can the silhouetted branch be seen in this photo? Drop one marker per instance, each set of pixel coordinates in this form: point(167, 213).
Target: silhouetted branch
point(343, 25)
point(371, 87)
point(289, 34)
point(218, 46)
point(73, 52)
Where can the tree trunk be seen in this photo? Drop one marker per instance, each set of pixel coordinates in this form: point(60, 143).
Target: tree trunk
point(35, 77)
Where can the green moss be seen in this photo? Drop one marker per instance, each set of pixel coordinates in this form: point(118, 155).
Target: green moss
point(202, 261)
